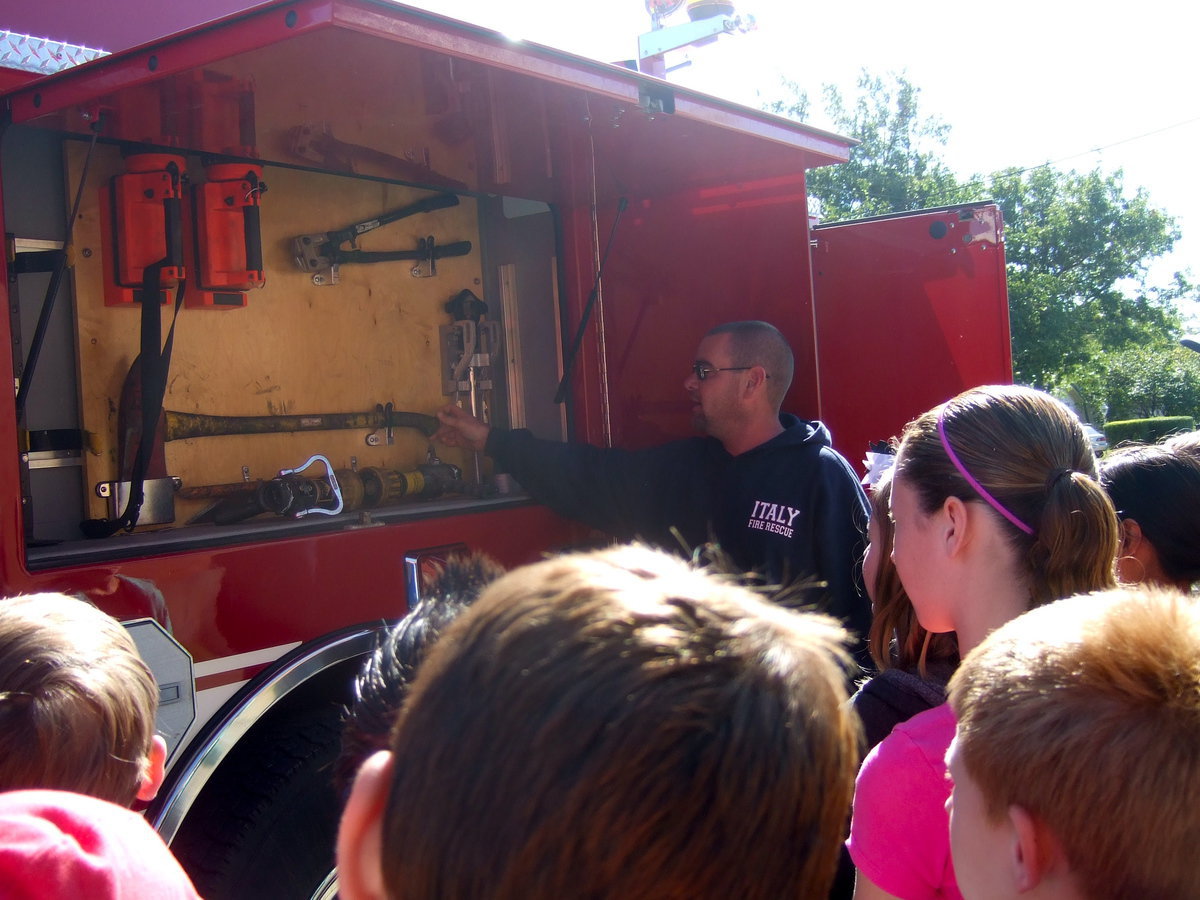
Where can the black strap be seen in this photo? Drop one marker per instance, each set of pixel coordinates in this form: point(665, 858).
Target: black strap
point(154, 362)
point(560, 395)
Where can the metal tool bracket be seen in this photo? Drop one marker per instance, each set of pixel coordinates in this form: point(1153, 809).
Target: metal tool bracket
point(158, 504)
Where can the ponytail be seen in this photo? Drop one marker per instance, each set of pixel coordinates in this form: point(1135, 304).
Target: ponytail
point(1076, 540)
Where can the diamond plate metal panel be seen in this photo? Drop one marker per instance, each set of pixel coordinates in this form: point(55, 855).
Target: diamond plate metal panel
point(42, 55)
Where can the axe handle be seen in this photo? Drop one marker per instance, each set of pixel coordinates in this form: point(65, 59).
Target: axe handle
point(193, 425)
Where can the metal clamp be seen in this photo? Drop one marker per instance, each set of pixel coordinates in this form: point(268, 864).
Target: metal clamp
point(385, 413)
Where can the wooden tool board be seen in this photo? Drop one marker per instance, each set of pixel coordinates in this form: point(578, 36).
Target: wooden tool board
point(295, 348)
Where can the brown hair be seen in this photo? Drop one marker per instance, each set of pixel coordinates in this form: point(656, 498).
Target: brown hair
point(77, 704)
point(754, 343)
point(1086, 713)
point(1029, 452)
point(896, 639)
point(620, 724)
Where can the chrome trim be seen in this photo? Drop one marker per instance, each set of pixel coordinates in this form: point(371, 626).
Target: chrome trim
point(239, 720)
point(200, 537)
point(53, 459)
point(328, 889)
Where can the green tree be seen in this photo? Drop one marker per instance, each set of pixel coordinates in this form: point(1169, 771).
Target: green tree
point(895, 167)
point(1078, 247)
point(1139, 382)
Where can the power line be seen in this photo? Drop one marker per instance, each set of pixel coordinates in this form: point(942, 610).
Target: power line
point(1062, 159)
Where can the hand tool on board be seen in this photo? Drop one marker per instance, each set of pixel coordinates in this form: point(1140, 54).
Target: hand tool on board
point(172, 425)
point(469, 346)
point(322, 253)
point(175, 426)
point(181, 426)
point(293, 494)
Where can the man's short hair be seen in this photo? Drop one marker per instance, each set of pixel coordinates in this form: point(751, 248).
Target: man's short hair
point(620, 724)
point(77, 704)
point(1086, 713)
point(754, 343)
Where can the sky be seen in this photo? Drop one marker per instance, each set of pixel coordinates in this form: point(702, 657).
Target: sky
point(1020, 84)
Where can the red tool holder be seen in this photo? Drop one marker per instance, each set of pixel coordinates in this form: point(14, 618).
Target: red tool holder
point(225, 236)
point(145, 225)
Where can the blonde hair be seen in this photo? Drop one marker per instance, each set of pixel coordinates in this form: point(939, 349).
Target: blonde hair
point(77, 704)
point(1186, 443)
point(620, 724)
point(1086, 713)
point(1036, 468)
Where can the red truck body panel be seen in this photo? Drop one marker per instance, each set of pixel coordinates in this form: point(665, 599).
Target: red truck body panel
point(910, 310)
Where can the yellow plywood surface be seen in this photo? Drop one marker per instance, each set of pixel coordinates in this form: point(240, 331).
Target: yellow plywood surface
point(296, 348)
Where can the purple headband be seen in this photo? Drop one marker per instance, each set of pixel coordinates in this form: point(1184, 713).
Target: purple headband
point(979, 488)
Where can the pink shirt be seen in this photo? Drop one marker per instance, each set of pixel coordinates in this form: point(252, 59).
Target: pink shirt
point(900, 833)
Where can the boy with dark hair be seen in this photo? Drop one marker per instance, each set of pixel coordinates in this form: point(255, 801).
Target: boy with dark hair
point(1075, 765)
point(77, 703)
point(613, 724)
point(388, 672)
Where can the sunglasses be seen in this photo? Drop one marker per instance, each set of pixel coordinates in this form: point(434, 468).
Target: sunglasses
point(703, 372)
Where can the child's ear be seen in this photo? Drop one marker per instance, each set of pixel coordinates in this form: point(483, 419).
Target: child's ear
point(1024, 853)
point(1037, 853)
point(154, 769)
point(954, 524)
point(360, 834)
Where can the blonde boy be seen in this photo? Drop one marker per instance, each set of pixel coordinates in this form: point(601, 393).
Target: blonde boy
point(77, 704)
point(1076, 765)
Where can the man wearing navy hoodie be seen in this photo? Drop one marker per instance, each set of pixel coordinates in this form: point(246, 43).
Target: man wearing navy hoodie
point(766, 485)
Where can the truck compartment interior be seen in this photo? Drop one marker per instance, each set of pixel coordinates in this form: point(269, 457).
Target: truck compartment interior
point(297, 122)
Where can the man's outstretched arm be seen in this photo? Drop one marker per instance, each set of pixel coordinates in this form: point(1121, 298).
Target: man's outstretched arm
point(461, 429)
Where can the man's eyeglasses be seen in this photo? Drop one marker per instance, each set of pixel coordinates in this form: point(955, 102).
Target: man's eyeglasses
point(703, 372)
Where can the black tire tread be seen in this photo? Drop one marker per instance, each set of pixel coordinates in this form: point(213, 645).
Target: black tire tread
point(265, 826)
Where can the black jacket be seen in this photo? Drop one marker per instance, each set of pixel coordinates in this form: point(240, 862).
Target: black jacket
point(894, 696)
point(791, 508)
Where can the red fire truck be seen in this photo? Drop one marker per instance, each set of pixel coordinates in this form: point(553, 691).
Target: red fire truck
point(246, 263)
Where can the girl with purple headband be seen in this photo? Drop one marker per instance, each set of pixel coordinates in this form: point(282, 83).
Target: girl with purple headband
point(997, 510)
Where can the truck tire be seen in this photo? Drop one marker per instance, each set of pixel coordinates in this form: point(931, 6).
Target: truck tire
point(266, 825)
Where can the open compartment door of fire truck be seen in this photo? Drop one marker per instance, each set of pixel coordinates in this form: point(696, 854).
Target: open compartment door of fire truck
point(281, 242)
point(911, 309)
